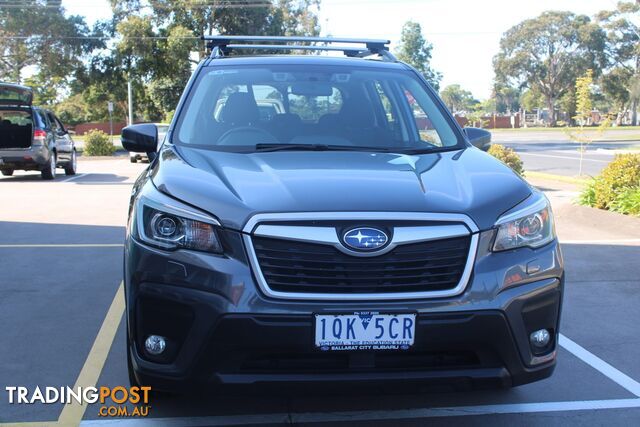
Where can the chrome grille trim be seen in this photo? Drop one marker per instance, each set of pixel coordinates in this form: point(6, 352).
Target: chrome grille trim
point(325, 235)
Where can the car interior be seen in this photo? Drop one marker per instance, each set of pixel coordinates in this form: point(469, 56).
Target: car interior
point(15, 129)
point(313, 109)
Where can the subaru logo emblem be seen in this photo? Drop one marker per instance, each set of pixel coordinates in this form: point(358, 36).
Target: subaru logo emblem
point(365, 238)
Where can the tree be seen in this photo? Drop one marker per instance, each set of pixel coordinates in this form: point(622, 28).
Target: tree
point(547, 53)
point(415, 50)
point(623, 47)
point(617, 88)
point(255, 17)
point(458, 99)
point(584, 101)
point(531, 99)
point(584, 107)
point(507, 98)
point(36, 33)
point(156, 41)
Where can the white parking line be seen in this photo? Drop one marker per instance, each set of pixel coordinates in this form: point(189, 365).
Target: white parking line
point(396, 414)
point(600, 365)
point(562, 157)
point(71, 178)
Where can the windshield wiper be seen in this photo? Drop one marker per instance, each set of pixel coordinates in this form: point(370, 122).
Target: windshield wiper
point(428, 150)
point(313, 147)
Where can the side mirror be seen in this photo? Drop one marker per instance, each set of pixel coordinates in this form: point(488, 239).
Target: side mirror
point(140, 138)
point(479, 138)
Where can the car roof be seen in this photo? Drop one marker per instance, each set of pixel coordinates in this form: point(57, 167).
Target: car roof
point(303, 60)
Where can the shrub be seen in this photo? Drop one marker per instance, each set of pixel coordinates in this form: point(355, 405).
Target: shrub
point(627, 201)
point(588, 195)
point(507, 156)
point(98, 143)
point(619, 175)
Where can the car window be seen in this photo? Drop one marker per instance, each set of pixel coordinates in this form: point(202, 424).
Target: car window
point(237, 108)
point(52, 120)
point(59, 124)
point(310, 108)
point(424, 126)
point(15, 117)
point(44, 121)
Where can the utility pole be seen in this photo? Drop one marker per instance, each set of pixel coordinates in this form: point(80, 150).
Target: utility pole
point(130, 99)
point(110, 108)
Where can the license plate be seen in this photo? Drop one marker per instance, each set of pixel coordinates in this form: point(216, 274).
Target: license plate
point(364, 331)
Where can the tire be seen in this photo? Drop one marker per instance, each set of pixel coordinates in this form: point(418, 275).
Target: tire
point(49, 171)
point(7, 172)
point(72, 167)
point(133, 159)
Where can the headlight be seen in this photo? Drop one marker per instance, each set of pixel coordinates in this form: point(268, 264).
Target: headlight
point(168, 224)
point(531, 226)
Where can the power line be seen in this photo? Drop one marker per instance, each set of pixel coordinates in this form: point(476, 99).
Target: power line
point(238, 4)
point(96, 37)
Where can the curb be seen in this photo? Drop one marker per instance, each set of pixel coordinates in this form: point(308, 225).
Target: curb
point(554, 177)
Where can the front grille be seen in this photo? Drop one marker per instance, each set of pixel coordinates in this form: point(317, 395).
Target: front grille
point(303, 267)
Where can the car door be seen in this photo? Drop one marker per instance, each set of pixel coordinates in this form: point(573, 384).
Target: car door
point(64, 143)
point(45, 125)
point(58, 135)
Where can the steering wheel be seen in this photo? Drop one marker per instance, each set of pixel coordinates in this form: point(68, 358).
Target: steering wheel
point(241, 135)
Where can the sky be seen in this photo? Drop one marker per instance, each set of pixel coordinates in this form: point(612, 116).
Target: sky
point(465, 33)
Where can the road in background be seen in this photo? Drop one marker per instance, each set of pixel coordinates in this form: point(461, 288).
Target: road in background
point(552, 152)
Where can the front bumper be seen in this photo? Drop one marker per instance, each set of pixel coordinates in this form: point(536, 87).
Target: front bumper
point(222, 330)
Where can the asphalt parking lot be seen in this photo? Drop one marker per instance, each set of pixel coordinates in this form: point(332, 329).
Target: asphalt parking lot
point(552, 151)
point(61, 310)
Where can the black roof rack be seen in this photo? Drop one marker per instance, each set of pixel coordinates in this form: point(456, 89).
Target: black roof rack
point(222, 45)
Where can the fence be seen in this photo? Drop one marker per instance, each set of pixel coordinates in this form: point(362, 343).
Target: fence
point(83, 128)
point(493, 122)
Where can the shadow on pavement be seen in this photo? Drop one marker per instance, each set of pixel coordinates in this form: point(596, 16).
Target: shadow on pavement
point(52, 303)
point(101, 178)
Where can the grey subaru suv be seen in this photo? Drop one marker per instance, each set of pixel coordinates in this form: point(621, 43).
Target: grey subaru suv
point(32, 138)
point(355, 235)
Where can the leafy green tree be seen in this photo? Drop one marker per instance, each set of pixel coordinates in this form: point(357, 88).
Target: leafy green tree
point(584, 98)
point(584, 107)
point(567, 104)
point(36, 33)
point(415, 50)
point(73, 110)
point(507, 98)
point(458, 99)
point(156, 42)
point(623, 47)
point(531, 99)
point(45, 88)
point(547, 53)
point(617, 88)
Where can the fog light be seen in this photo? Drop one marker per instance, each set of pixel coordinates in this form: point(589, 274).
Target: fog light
point(155, 344)
point(540, 338)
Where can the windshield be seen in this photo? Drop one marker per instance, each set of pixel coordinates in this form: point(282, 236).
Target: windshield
point(292, 107)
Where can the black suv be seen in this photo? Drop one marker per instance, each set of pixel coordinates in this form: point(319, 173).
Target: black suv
point(352, 234)
point(32, 138)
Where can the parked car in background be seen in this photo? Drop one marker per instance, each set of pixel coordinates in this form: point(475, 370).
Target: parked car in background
point(32, 138)
point(162, 131)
